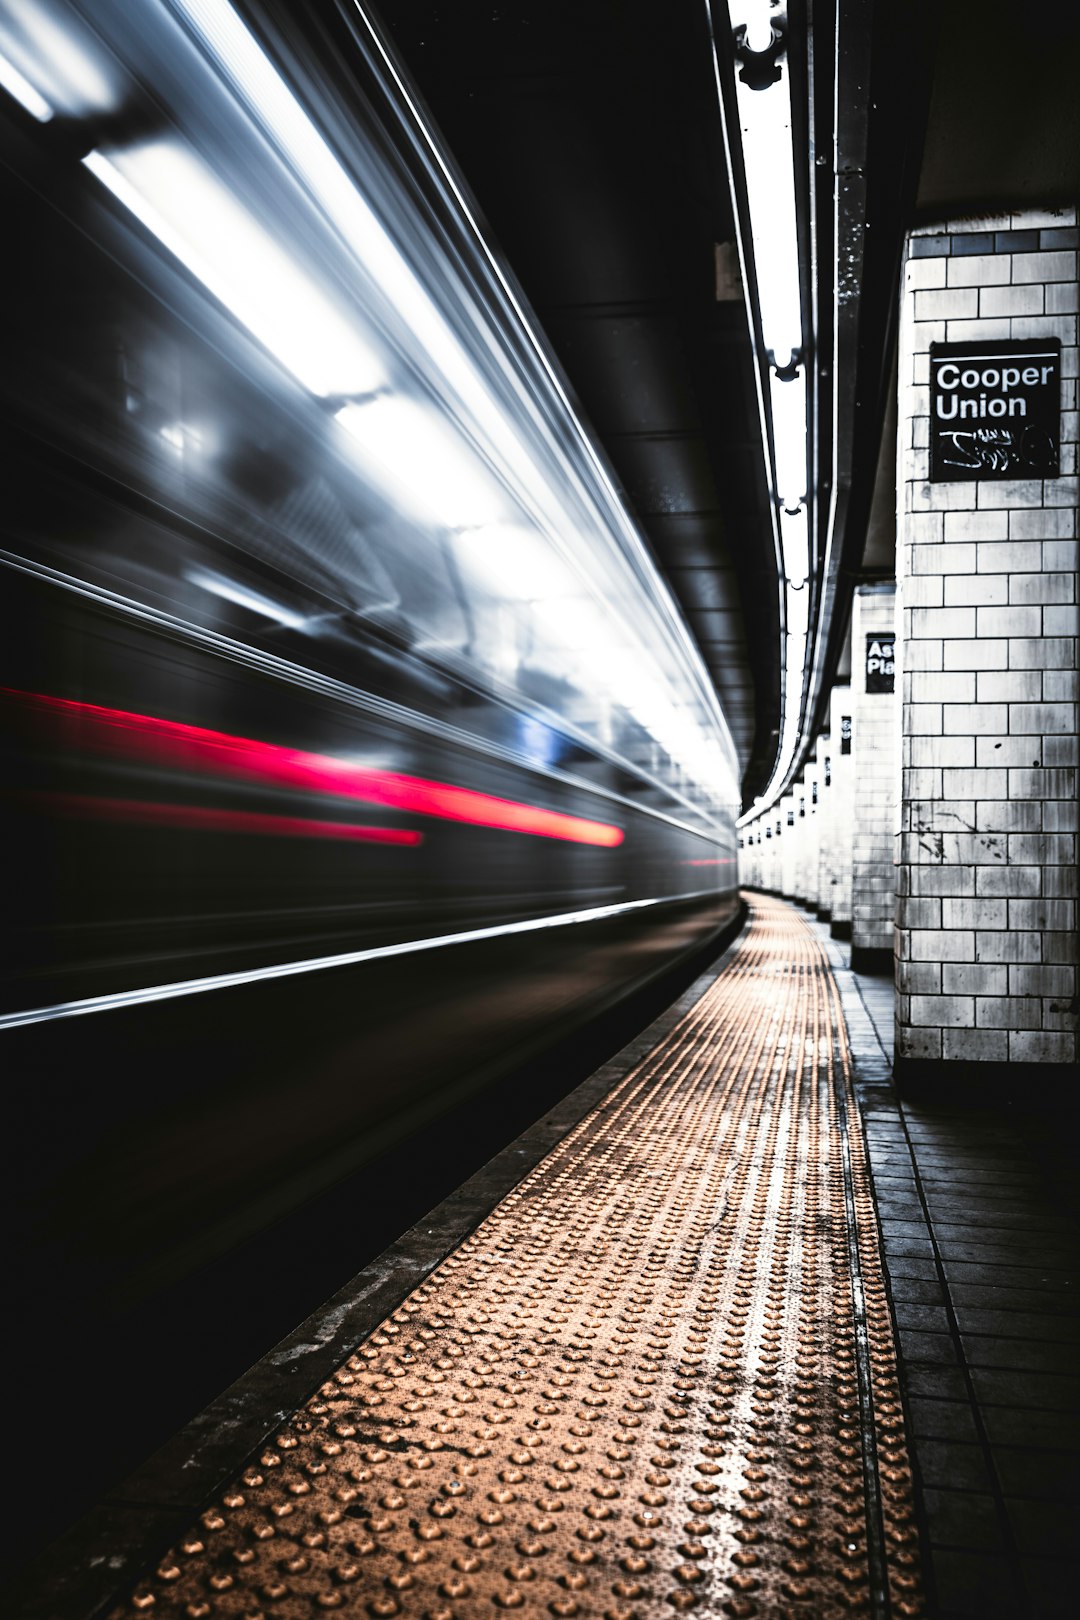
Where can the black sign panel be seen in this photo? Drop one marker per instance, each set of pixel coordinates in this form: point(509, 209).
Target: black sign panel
point(880, 665)
point(845, 734)
point(995, 410)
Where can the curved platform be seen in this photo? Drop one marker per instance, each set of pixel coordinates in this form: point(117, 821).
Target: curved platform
point(660, 1374)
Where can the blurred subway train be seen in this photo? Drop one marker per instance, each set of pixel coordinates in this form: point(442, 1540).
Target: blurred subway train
point(355, 751)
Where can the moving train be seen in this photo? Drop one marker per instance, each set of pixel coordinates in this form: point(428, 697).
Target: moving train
point(356, 749)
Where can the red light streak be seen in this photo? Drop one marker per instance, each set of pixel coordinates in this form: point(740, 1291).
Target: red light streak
point(171, 745)
point(199, 818)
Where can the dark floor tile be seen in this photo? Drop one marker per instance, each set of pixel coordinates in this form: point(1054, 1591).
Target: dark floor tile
point(993, 1195)
point(942, 1420)
point(1022, 1355)
point(926, 1318)
point(952, 1158)
point(1012, 1426)
point(1037, 1256)
point(977, 1584)
point(917, 1291)
point(1050, 1476)
point(976, 1178)
point(953, 1465)
point(1018, 1324)
point(904, 1227)
point(1041, 1529)
point(1050, 1587)
point(935, 1383)
point(1013, 1288)
point(1004, 1226)
point(910, 1266)
point(935, 1347)
point(912, 1247)
point(1023, 1389)
point(893, 1210)
point(892, 1182)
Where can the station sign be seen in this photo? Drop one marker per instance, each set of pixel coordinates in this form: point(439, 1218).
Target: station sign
point(995, 410)
point(880, 663)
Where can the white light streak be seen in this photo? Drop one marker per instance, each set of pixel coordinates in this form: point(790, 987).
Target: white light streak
point(515, 563)
point(17, 85)
point(181, 202)
point(62, 71)
point(230, 591)
point(319, 964)
point(430, 466)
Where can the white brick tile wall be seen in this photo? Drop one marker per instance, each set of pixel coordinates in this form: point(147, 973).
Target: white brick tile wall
point(1040, 524)
point(986, 877)
point(1009, 300)
point(970, 526)
point(998, 557)
point(963, 331)
point(972, 270)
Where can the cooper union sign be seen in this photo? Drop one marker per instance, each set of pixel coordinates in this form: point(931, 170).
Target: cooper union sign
point(995, 410)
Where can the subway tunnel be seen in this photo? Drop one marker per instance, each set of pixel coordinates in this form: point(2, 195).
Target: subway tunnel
point(539, 999)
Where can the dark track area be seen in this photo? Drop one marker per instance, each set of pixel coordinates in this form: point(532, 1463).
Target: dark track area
point(152, 1367)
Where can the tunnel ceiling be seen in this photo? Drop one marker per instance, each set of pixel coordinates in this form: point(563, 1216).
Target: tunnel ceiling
point(589, 134)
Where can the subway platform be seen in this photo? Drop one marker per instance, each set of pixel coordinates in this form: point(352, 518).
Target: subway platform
point(732, 1329)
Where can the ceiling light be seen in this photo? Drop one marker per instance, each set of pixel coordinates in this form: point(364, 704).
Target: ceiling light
point(795, 546)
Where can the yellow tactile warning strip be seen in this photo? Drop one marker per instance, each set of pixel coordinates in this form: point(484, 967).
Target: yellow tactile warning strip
point(660, 1375)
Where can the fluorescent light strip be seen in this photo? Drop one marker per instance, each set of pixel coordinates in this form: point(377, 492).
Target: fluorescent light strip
point(318, 964)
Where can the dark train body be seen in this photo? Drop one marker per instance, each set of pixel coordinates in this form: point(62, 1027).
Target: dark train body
point(332, 667)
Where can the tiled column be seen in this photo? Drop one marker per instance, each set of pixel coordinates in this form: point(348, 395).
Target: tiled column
point(840, 809)
point(823, 768)
point(787, 847)
point(986, 942)
point(770, 853)
point(876, 787)
point(807, 795)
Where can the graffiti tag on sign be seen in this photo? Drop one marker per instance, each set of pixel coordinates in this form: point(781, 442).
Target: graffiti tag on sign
point(995, 410)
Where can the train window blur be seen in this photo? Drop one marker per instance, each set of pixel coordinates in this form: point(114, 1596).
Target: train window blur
point(288, 463)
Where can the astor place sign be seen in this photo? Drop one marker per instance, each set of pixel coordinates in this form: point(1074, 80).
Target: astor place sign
point(995, 410)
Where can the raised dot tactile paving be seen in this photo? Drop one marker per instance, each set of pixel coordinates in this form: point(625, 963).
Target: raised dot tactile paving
point(660, 1376)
